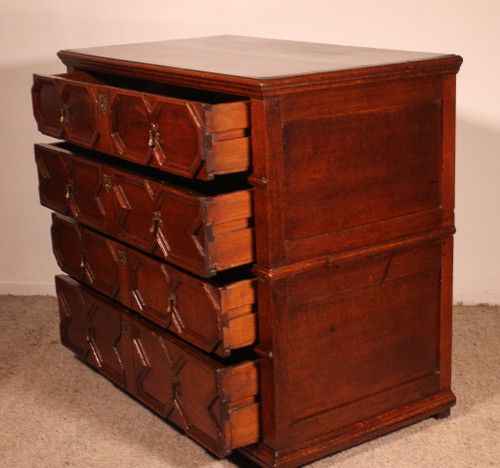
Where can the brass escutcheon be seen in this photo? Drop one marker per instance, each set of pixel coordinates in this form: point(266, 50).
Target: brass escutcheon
point(122, 258)
point(107, 183)
point(102, 100)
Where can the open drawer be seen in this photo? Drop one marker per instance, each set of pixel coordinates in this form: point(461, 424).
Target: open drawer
point(215, 317)
point(193, 136)
point(216, 404)
point(202, 233)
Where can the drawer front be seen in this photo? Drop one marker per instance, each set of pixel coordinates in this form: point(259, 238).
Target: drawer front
point(183, 137)
point(216, 405)
point(91, 330)
point(53, 190)
point(216, 318)
point(202, 234)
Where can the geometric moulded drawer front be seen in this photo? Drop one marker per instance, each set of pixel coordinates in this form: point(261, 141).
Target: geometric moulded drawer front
point(184, 137)
point(216, 405)
point(201, 233)
point(216, 318)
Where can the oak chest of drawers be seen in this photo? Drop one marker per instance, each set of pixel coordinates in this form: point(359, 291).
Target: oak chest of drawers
point(257, 235)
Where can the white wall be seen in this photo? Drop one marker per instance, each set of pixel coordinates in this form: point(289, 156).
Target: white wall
point(31, 31)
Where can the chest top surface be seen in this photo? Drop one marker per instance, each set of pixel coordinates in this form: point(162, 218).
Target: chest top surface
point(253, 62)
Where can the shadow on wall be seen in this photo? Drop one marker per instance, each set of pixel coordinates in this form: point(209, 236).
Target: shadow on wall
point(477, 250)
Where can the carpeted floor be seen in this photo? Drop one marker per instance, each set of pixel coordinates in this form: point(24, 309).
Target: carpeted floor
point(56, 412)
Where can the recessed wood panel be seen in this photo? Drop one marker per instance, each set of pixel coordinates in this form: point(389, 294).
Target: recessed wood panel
point(134, 199)
point(73, 315)
point(130, 125)
point(104, 336)
point(82, 119)
point(100, 263)
point(53, 179)
point(67, 246)
point(48, 106)
point(149, 288)
point(88, 200)
point(383, 315)
point(179, 145)
point(195, 323)
point(361, 168)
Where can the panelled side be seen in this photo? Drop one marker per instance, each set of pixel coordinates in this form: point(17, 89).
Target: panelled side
point(363, 166)
point(353, 209)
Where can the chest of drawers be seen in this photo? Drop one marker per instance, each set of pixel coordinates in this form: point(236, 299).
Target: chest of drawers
point(257, 235)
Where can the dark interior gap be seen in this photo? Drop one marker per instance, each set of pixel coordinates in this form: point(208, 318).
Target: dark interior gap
point(221, 184)
point(154, 87)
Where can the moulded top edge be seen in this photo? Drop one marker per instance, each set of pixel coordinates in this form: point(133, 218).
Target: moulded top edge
point(253, 63)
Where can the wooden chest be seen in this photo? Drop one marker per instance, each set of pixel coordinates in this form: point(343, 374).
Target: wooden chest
point(257, 235)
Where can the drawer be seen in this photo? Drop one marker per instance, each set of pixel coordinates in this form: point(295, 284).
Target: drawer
point(202, 233)
point(176, 134)
point(216, 404)
point(216, 318)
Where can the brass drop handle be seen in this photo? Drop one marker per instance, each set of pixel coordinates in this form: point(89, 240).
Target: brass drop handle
point(83, 259)
point(88, 336)
point(69, 190)
point(172, 302)
point(156, 222)
point(64, 114)
point(153, 135)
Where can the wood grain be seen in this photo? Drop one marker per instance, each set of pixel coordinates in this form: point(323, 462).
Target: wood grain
point(188, 138)
point(215, 317)
point(203, 234)
point(215, 404)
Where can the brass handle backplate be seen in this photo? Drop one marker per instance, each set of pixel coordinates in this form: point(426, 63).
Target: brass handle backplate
point(122, 258)
point(172, 302)
point(102, 102)
point(156, 222)
point(153, 135)
point(64, 114)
